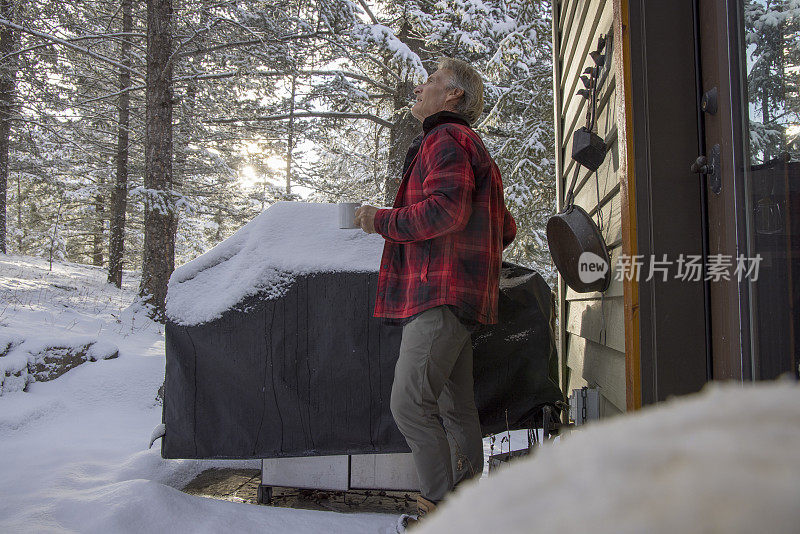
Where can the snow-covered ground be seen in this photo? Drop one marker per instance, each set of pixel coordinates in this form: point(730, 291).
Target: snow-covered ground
point(73, 453)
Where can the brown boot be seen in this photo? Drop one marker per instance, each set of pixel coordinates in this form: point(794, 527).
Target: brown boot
point(424, 507)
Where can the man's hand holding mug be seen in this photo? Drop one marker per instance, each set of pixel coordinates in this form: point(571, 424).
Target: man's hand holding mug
point(365, 218)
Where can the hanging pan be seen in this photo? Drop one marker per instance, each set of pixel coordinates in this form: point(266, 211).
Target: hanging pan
point(578, 249)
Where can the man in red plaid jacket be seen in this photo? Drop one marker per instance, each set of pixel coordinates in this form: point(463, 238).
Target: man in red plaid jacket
point(439, 277)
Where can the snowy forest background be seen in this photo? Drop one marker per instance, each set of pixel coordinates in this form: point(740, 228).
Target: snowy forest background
point(246, 104)
point(140, 134)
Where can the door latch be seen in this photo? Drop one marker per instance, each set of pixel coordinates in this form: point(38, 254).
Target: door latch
point(710, 167)
point(709, 101)
point(701, 166)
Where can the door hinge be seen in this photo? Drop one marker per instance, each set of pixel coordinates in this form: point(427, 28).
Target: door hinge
point(710, 166)
point(709, 101)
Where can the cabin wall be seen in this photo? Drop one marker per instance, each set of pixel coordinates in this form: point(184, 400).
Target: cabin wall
point(592, 326)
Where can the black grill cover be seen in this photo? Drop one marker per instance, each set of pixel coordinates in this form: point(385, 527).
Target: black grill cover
point(311, 373)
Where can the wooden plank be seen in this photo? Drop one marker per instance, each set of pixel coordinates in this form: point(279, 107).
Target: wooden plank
point(600, 185)
point(560, 8)
point(557, 107)
point(575, 115)
point(574, 106)
point(571, 37)
point(584, 20)
point(565, 21)
point(607, 409)
point(611, 218)
point(574, 361)
point(608, 170)
point(614, 289)
point(586, 188)
point(597, 22)
point(623, 77)
point(600, 367)
point(609, 138)
point(610, 212)
point(606, 129)
point(574, 378)
point(585, 319)
point(563, 371)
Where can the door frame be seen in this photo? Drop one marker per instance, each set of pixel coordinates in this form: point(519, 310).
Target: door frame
point(672, 315)
point(720, 66)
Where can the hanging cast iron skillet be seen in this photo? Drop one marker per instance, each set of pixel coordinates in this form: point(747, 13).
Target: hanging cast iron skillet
point(576, 244)
point(572, 234)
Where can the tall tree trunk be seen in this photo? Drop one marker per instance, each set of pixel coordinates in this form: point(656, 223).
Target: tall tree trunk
point(99, 225)
point(184, 136)
point(54, 231)
point(405, 127)
point(219, 219)
point(19, 213)
point(187, 111)
point(119, 195)
point(290, 139)
point(8, 74)
point(765, 120)
point(376, 168)
point(159, 212)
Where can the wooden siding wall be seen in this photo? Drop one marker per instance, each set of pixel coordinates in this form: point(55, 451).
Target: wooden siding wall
point(592, 329)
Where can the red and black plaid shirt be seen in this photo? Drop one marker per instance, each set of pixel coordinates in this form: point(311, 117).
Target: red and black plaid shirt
point(447, 230)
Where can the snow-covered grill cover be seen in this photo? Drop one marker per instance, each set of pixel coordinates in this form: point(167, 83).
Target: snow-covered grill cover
point(272, 350)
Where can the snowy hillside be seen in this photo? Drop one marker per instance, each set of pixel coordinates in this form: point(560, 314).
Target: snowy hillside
point(73, 450)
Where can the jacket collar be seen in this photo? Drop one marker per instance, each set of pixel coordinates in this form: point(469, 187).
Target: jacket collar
point(442, 117)
point(428, 124)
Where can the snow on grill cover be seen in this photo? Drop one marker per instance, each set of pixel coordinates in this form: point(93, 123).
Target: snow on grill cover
point(272, 350)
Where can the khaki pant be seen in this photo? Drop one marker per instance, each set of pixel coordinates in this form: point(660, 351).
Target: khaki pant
point(433, 402)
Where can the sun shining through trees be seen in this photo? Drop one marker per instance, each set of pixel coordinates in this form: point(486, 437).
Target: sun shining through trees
point(261, 167)
point(263, 170)
point(248, 177)
point(308, 102)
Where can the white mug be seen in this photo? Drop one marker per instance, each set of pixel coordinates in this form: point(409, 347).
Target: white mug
point(347, 214)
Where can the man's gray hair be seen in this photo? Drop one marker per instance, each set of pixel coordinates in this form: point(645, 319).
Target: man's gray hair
point(468, 80)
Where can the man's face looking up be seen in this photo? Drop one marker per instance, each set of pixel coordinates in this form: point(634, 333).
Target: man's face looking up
point(435, 95)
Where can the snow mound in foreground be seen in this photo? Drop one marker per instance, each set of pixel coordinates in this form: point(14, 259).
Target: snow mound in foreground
point(726, 460)
point(287, 239)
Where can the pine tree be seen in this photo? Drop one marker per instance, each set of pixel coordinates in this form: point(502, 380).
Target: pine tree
point(324, 86)
point(772, 31)
point(119, 194)
point(160, 224)
point(8, 73)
